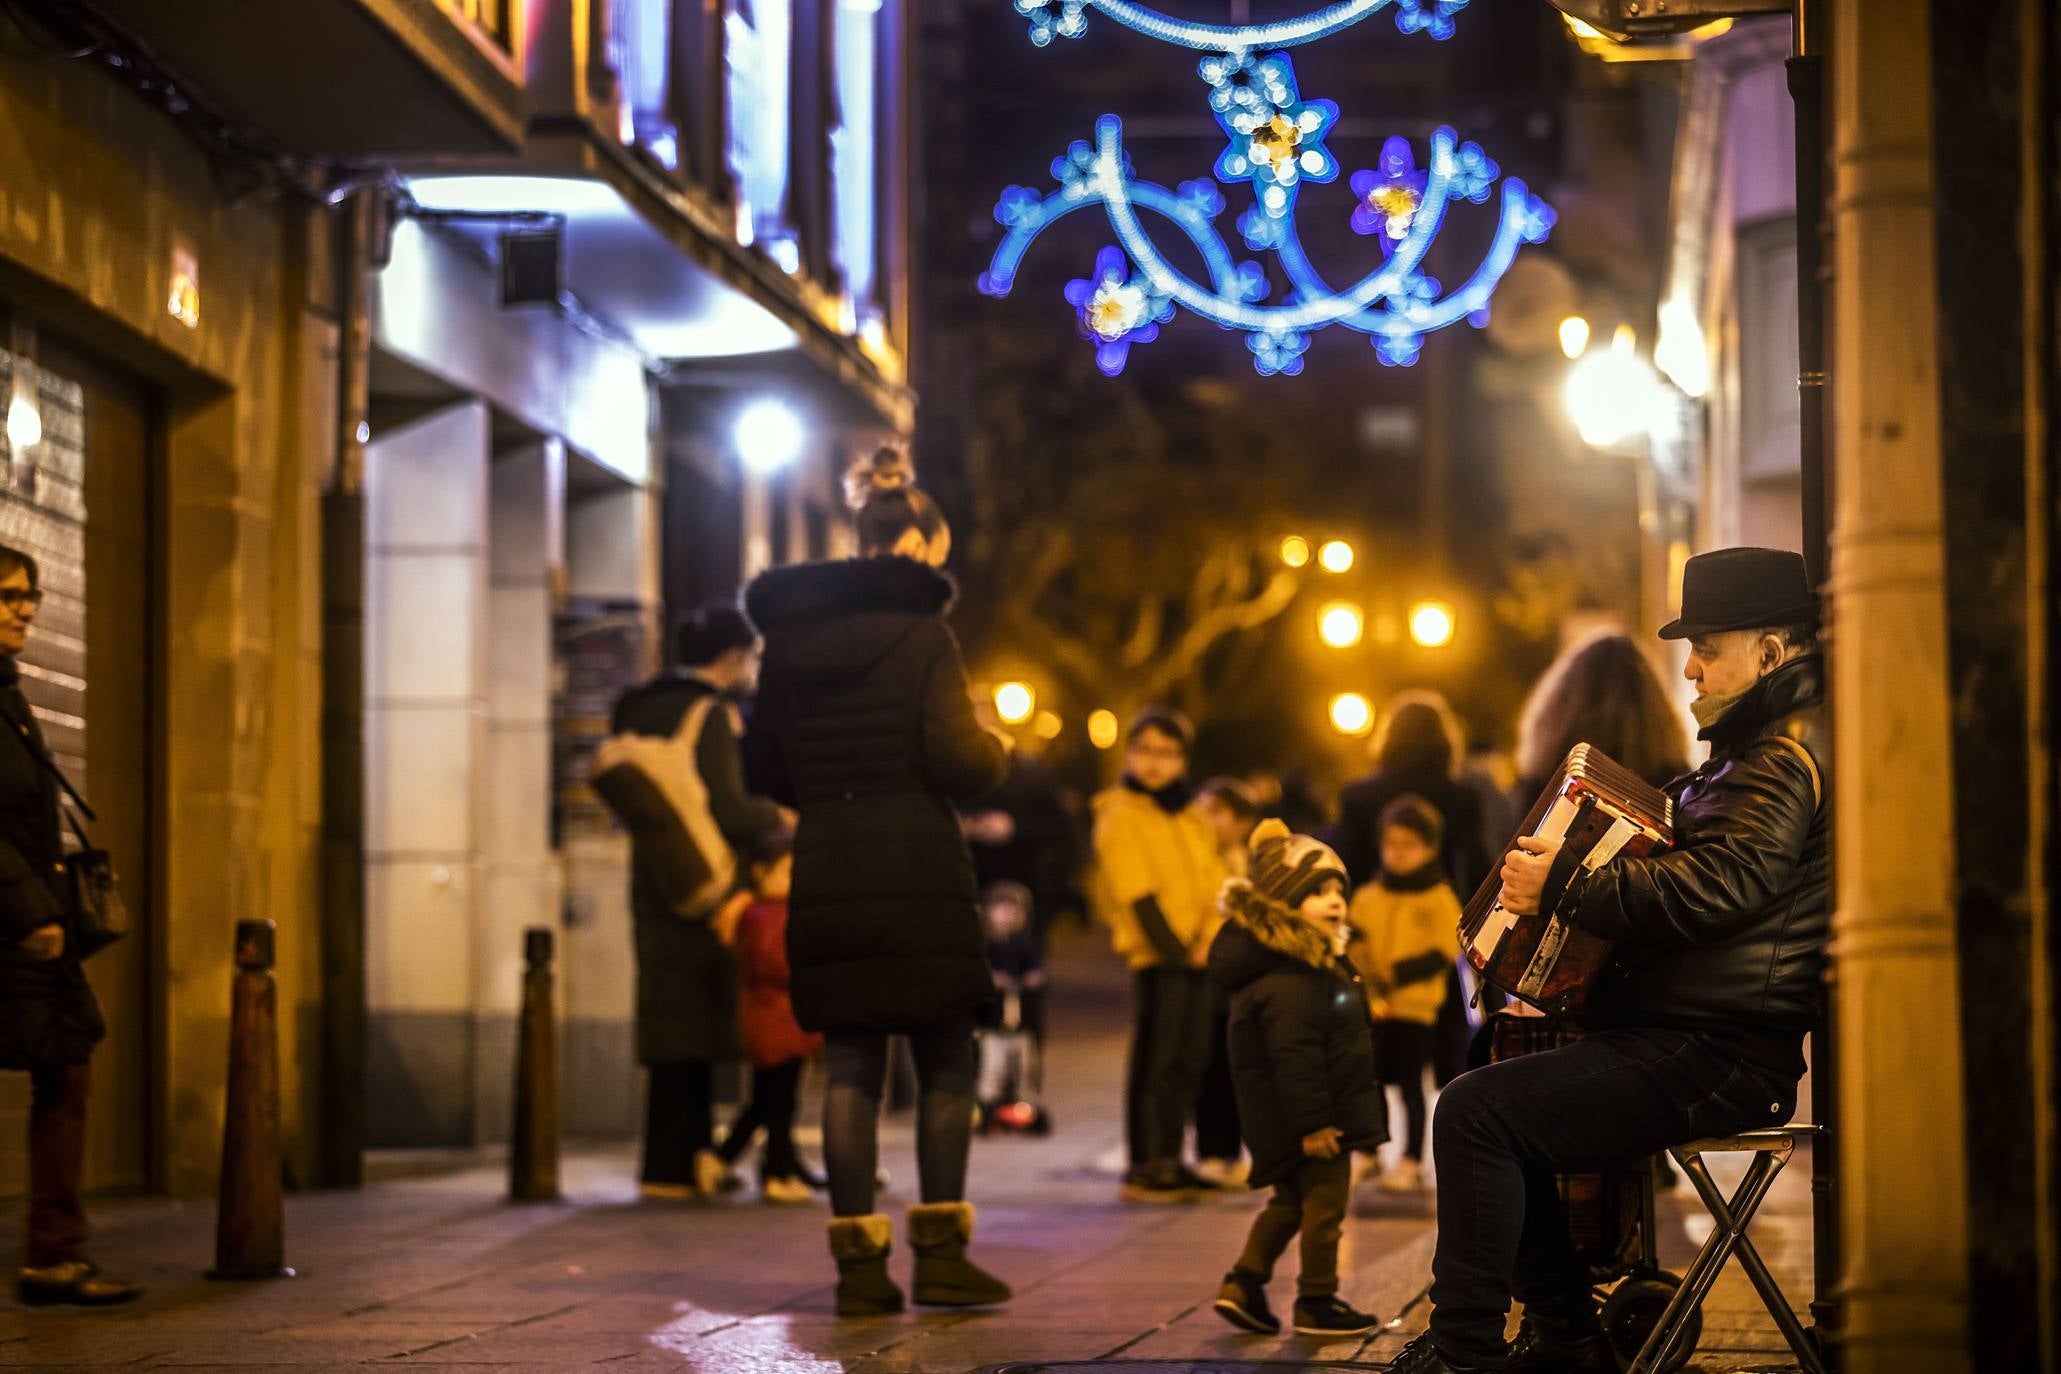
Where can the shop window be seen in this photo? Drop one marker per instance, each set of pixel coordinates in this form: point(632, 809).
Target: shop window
point(758, 54)
point(855, 162)
point(640, 50)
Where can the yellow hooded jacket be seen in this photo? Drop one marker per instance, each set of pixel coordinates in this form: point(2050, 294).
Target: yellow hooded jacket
point(1391, 927)
point(1142, 851)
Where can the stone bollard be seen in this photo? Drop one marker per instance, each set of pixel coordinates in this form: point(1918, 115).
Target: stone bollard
point(533, 1147)
point(250, 1224)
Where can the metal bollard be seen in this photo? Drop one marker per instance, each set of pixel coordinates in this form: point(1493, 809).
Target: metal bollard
point(250, 1221)
point(533, 1146)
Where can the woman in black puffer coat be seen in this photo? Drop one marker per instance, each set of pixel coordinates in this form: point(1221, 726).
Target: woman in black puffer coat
point(865, 726)
point(49, 1019)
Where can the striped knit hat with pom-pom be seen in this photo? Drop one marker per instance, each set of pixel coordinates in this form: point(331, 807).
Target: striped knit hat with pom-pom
point(1287, 868)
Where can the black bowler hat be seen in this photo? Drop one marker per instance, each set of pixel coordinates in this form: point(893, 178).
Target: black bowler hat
point(1743, 589)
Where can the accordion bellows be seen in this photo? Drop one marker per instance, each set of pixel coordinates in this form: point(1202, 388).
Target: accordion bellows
point(1599, 810)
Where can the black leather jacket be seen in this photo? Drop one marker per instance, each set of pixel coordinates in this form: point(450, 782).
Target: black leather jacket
point(1727, 929)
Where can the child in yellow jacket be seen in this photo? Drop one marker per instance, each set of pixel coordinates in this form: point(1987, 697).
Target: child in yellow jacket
point(1157, 877)
point(1405, 937)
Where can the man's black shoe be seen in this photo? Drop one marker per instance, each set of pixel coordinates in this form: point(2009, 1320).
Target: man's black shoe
point(1327, 1318)
point(1242, 1301)
point(1422, 1357)
point(1537, 1352)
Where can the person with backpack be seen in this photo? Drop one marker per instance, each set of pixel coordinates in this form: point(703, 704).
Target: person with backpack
point(682, 875)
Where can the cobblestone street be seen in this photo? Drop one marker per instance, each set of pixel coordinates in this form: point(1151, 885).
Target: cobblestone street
point(439, 1273)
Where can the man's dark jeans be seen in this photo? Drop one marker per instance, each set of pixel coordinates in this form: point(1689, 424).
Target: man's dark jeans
point(1504, 1131)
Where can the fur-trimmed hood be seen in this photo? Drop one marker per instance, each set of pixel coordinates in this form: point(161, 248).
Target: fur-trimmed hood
point(831, 621)
point(1261, 935)
point(813, 591)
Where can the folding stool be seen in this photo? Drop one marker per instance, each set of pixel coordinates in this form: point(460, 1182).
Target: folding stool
point(1771, 1150)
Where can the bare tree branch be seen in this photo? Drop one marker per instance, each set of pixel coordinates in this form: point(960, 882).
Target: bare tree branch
point(1207, 627)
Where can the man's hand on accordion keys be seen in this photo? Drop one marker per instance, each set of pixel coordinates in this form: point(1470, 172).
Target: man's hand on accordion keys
point(1524, 874)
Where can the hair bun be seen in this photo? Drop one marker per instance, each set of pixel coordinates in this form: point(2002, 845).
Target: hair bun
point(889, 469)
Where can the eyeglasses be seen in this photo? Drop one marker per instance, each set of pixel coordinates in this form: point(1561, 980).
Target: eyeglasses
point(14, 598)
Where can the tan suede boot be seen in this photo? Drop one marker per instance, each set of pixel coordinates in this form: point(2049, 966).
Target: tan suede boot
point(938, 1233)
point(860, 1245)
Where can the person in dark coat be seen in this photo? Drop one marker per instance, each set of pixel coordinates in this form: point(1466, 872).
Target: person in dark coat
point(1302, 1060)
point(1696, 1028)
point(49, 1019)
point(686, 973)
point(866, 726)
point(1418, 750)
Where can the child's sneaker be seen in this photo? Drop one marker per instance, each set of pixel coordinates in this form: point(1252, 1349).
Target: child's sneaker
point(786, 1192)
point(1242, 1301)
point(1328, 1318)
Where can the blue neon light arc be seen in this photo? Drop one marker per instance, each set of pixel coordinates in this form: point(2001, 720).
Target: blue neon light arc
point(1215, 253)
point(1235, 314)
point(1422, 317)
point(1286, 33)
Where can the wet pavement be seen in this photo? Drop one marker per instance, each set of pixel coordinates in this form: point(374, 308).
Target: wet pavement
point(440, 1273)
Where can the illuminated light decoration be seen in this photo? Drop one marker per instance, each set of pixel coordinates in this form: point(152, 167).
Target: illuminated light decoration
point(1275, 144)
point(1295, 551)
point(1352, 714)
point(1574, 336)
point(1047, 725)
point(1116, 309)
point(1336, 557)
point(1341, 625)
point(1103, 728)
point(24, 424)
point(1015, 702)
point(1050, 19)
point(1431, 623)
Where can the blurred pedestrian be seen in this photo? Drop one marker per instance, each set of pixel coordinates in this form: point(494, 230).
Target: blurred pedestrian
point(1021, 833)
point(686, 971)
point(1603, 692)
point(1303, 1055)
point(50, 1021)
point(1012, 1034)
point(1157, 874)
point(1229, 807)
point(865, 723)
point(774, 1042)
point(1406, 924)
point(1417, 749)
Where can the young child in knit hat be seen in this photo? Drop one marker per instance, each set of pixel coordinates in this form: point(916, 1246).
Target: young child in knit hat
point(1302, 1060)
point(1406, 925)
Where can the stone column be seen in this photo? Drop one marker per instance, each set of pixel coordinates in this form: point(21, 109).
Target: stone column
point(1902, 1163)
point(425, 736)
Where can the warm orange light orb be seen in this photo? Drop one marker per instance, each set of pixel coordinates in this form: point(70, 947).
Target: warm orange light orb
point(1431, 624)
point(1014, 702)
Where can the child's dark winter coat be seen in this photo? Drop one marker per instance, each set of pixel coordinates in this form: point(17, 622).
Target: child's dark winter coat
point(1302, 1047)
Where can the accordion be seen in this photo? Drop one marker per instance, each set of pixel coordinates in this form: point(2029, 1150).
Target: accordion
point(1598, 810)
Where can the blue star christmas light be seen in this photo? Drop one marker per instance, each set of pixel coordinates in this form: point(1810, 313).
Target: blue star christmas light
point(1275, 146)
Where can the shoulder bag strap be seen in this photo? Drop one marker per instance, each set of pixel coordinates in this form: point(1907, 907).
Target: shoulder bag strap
point(1810, 765)
point(49, 765)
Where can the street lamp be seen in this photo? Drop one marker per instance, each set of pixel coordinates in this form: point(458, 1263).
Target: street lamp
point(1015, 702)
point(1336, 556)
point(1574, 336)
point(1103, 729)
point(769, 436)
point(1351, 714)
point(1295, 551)
point(24, 424)
point(1613, 396)
point(1047, 725)
point(1340, 624)
point(1431, 623)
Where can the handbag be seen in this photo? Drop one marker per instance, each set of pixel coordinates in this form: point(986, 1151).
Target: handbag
point(95, 914)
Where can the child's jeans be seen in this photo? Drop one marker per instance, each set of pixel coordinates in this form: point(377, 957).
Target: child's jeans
point(1313, 1200)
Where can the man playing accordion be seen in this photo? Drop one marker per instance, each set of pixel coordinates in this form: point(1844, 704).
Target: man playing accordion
point(1697, 1027)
